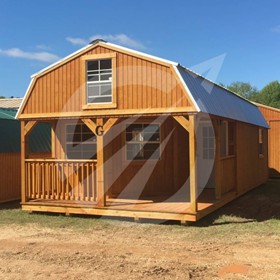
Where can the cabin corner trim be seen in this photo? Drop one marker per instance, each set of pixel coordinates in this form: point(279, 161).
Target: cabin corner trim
point(184, 85)
point(25, 98)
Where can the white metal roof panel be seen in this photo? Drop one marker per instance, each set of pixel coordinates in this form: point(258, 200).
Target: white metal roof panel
point(216, 100)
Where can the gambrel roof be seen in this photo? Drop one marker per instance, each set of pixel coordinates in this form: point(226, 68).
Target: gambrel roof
point(206, 96)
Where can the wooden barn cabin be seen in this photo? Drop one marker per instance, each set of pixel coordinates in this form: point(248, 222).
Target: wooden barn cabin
point(272, 116)
point(133, 135)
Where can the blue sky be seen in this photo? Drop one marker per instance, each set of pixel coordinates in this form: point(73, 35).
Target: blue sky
point(243, 36)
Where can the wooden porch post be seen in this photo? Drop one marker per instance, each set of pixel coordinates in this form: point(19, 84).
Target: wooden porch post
point(189, 125)
point(25, 129)
point(193, 165)
point(23, 150)
point(101, 198)
point(100, 129)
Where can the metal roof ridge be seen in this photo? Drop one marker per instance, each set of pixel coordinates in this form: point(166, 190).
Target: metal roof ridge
point(141, 53)
point(266, 106)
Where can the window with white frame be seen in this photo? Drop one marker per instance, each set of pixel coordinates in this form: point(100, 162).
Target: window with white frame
point(142, 141)
point(208, 145)
point(80, 142)
point(227, 138)
point(261, 141)
point(99, 81)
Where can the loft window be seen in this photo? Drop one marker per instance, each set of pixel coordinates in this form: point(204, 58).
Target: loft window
point(260, 141)
point(227, 138)
point(142, 141)
point(99, 81)
point(80, 142)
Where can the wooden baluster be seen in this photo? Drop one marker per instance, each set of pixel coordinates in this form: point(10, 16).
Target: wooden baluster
point(87, 182)
point(67, 183)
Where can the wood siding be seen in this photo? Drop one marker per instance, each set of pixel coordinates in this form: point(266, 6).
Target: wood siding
point(272, 117)
point(141, 84)
point(252, 169)
point(9, 176)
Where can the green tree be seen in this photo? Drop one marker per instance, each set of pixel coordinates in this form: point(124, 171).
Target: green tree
point(269, 95)
point(245, 90)
point(2, 97)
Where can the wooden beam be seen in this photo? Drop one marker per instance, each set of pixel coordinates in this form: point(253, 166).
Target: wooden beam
point(110, 122)
point(23, 147)
point(193, 166)
point(112, 113)
point(101, 196)
point(183, 122)
point(29, 126)
point(90, 124)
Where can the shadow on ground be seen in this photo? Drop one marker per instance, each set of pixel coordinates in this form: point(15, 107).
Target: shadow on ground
point(260, 204)
point(10, 205)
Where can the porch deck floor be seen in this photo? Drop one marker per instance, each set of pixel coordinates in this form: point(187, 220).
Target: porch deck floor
point(157, 208)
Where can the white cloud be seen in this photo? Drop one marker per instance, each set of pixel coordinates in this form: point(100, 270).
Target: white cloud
point(120, 39)
point(40, 56)
point(43, 47)
point(275, 29)
point(77, 41)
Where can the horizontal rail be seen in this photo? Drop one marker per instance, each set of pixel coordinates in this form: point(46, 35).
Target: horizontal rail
point(61, 160)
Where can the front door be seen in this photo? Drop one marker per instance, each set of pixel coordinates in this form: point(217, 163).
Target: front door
point(205, 154)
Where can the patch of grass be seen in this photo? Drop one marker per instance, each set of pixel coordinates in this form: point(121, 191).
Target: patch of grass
point(256, 213)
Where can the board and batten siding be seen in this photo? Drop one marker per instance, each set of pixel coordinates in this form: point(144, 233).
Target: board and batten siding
point(272, 117)
point(10, 176)
point(140, 83)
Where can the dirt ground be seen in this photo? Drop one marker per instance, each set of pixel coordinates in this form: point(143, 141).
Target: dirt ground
point(132, 251)
point(239, 241)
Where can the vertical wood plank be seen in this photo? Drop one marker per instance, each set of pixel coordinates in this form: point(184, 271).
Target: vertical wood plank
point(193, 167)
point(23, 154)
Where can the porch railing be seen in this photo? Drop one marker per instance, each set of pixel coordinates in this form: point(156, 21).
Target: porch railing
point(60, 179)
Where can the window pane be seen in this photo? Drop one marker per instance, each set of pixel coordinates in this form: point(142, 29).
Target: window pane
point(88, 137)
point(92, 65)
point(106, 77)
point(151, 151)
point(81, 142)
point(93, 90)
point(106, 89)
point(93, 78)
point(151, 137)
point(153, 128)
point(131, 127)
point(105, 64)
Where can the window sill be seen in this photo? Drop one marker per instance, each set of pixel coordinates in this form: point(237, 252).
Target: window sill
point(99, 106)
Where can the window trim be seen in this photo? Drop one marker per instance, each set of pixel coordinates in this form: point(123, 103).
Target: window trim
point(140, 161)
point(261, 142)
point(66, 142)
point(84, 59)
point(227, 155)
